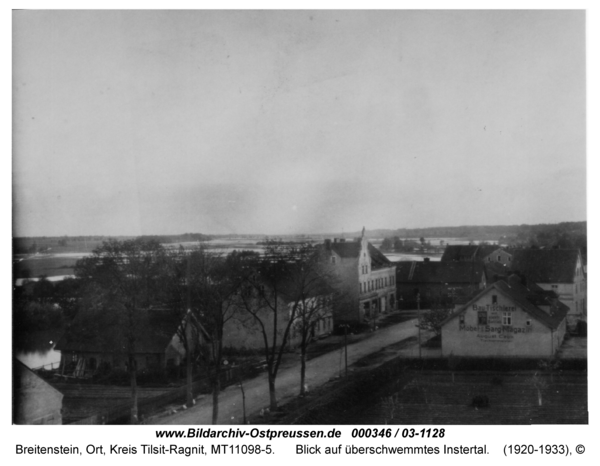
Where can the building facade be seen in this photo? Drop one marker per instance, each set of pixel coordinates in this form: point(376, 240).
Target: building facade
point(506, 320)
point(367, 280)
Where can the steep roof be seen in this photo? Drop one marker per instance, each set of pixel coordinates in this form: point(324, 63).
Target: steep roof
point(457, 252)
point(496, 270)
point(347, 249)
point(528, 298)
point(438, 272)
point(485, 250)
point(454, 252)
point(106, 331)
point(378, 259)
point(546, 265)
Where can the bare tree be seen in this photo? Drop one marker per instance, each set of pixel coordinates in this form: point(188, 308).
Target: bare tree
point(128, 276)
point(203, 287)
point(263, 299)
point(310, 295)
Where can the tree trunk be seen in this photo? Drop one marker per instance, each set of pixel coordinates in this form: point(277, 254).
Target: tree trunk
point(215, 403)
point(134, 392)
point(302, 371)
point(272, 396)
point(189, 377)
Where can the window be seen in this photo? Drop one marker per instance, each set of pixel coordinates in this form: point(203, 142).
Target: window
point(507, 318)
point(461, 319)
point(499, 258)
point(494, 299)
point(489, 258)
point(333, 259)
point(528, 323)
point(482, 318)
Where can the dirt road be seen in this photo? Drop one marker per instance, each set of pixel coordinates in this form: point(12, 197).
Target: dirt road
point(319, 370)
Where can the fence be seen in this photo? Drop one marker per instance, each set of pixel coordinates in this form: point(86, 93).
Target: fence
point(120, 413)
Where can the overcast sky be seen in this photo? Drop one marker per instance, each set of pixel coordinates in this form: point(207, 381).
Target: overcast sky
point(150, 122)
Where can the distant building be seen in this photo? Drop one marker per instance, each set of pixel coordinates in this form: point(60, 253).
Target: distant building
point(367, 279)
point(483, 253)
point(435, 280)
point(99, 341)
point(507, 319)
point(243, 331)
point(558, 270)
point(35, 401)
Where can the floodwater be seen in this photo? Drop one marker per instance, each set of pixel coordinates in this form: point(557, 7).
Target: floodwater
point(35, 359)
point(36, 349)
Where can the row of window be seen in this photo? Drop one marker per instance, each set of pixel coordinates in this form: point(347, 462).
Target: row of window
point(364, 269)
point(482, 318)
point(376, 284)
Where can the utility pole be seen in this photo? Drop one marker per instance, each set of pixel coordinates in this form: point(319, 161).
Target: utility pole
point(419, 320)
point(345, 327)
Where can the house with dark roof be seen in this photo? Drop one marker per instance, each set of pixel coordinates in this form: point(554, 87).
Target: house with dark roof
point(557, 270)
point(367, 279)
point(506, 319)
point(100, 340)
point(434, 280)
point(484, 253)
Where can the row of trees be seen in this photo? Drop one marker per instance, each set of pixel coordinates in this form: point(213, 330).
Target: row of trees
point(398, 245)
point(286, 290)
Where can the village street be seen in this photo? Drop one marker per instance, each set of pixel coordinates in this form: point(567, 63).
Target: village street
point(319, 371)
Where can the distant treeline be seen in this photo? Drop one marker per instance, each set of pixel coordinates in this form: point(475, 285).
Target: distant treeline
point(34, 244)
point(486, 232)
point(566, 235)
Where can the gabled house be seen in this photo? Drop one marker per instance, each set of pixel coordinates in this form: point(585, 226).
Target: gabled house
point(557, 270)
point(367, 279)
point(280, 295)
point(243, 331)
point(506, 319)
point(483, 253)
point(432, 280)
point(99, 340)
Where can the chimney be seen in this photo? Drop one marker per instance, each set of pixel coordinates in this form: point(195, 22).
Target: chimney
point(335, 240)
point(426, 259)
point(342, 240)
point(328, 244)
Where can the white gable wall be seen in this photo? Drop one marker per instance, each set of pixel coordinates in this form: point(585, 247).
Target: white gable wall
point(524, 337)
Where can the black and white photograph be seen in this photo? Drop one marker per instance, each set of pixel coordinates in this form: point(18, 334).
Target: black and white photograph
point(299, 217)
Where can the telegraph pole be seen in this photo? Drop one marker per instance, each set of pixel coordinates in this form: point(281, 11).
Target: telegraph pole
point(419, 320)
